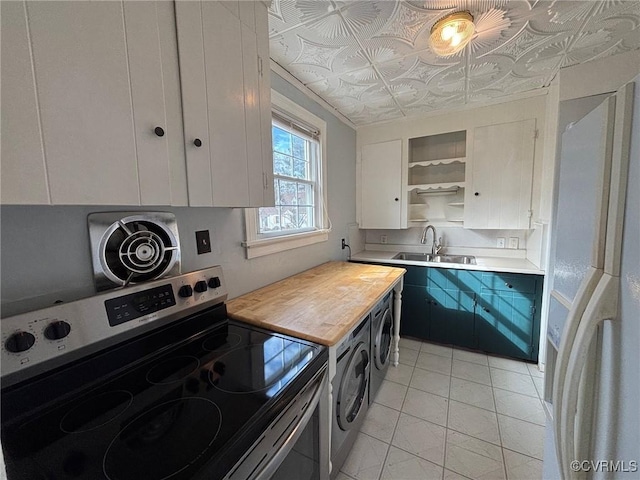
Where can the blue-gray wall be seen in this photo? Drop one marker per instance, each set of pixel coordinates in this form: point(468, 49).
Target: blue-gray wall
point(45, 253)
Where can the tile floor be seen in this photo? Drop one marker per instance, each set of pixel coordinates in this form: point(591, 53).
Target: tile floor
point(450, 414)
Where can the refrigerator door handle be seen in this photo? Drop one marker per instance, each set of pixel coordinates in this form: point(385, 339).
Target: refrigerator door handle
point(579, 305)
point(602, 306)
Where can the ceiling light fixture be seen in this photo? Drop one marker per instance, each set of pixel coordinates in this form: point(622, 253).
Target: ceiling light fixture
point(451, 34)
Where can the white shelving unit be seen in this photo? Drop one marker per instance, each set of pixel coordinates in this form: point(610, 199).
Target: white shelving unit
point(437, 178)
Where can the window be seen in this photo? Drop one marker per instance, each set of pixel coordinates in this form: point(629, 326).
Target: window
point(295, 150)
point(299, 215)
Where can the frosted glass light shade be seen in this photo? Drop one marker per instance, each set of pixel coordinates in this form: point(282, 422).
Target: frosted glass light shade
point(451, 34)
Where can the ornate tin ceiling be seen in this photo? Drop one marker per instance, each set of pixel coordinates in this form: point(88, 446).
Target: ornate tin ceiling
point(371, 59)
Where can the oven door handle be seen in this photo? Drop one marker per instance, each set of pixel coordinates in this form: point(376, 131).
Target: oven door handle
point(278, 457)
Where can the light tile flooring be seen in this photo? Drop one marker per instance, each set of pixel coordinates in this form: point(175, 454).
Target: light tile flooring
point(450, 414)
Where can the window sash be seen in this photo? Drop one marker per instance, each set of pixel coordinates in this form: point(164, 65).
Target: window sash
point(312, 157)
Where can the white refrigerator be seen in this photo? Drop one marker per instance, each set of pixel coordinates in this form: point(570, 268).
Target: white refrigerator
point(592, 385)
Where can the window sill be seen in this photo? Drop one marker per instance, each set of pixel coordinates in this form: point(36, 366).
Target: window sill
point(267, 246)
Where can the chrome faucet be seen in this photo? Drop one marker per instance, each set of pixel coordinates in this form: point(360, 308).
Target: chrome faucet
point(436, 246)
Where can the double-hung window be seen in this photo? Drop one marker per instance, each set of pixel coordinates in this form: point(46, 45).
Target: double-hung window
point(298, 217)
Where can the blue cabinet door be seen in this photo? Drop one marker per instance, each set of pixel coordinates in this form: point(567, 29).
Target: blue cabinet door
point(451, 315)
point(505, 324)
point(415, 319)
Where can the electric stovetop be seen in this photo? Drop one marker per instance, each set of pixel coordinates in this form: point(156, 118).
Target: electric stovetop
point(185, 401)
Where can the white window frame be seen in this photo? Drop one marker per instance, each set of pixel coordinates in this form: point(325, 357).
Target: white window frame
point(258, 246)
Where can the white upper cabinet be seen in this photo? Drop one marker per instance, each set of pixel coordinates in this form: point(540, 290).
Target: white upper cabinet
point(498, 195)
point(224, 102)
point(381, 185)
point(84, 117)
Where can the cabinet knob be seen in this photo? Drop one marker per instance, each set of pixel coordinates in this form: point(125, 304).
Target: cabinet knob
point(197, 142)
point(159, 131)
point(396, 199)
point(486, 309)
point(477, 194)
point(508, 285)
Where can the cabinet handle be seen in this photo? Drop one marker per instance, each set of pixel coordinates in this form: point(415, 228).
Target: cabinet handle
point(197, 142)
point(477, 194)
point(508, 285)
point(159, 131)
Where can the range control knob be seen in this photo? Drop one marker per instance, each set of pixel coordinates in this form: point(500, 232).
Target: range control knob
point(57, 330)
point(185, 291)
point(20, 342)
point(201, 286)
point(214, 282)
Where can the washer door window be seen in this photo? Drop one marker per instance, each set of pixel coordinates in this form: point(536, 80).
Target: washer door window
point(382, 345)
point(353, 387)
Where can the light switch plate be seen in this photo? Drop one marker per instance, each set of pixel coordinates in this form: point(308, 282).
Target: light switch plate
point(203, 242)
point(500, 242)
point(383, 239)
point(513, 242)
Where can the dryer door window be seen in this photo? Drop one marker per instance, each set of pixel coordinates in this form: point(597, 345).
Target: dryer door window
point(352, 395)
point(382, 350)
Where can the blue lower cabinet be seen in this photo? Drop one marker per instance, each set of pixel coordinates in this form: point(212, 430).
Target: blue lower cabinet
point(495, 312)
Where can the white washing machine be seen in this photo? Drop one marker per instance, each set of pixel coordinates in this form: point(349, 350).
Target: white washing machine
point(350, 392)
point(381, 341)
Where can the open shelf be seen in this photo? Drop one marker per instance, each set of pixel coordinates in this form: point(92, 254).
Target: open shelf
point(449, 187)
point(434, 163)
point(436, 178)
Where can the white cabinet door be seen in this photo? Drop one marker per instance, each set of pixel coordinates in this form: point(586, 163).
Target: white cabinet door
point(194, 102)
point(222, 90)
point(87, 87)
point(264, 69)
point(380, 185)
point(253, 121)
point(24, 174)
point(225, 101)
point(147, 95)
point(499, 194)
point(82, 78)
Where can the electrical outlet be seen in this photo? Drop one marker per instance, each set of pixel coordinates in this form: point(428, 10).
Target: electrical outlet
point(513, 242)
point(500, 242)
point(203, 243)
point(383, 239)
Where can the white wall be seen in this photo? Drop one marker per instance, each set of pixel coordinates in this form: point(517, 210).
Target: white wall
point(45, 253)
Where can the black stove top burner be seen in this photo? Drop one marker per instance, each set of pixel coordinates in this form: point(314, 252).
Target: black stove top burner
point(282, 360)
point(173, 370)
point(183, 402)
point(221, 342)
point(164, 441)
point(96, 411)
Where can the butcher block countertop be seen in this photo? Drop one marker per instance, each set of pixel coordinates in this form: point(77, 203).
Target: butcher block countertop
point(321, 304)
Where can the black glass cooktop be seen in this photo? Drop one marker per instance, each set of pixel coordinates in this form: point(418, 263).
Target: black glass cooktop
point(182, 403)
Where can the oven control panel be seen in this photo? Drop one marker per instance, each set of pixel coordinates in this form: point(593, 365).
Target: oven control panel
point(44, 339)
point(129, 307)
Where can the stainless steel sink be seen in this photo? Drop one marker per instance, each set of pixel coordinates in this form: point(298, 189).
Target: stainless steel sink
point(441, 258)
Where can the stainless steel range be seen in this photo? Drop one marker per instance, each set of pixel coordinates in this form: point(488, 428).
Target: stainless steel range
point(153, 382)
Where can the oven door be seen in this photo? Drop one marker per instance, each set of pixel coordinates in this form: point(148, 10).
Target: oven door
point(290, 447)
point(304, 459)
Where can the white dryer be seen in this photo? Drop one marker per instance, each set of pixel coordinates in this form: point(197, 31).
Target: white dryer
point(381, 341)
point(350, 392)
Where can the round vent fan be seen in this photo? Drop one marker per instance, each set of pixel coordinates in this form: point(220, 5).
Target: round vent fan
point(134, 249)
